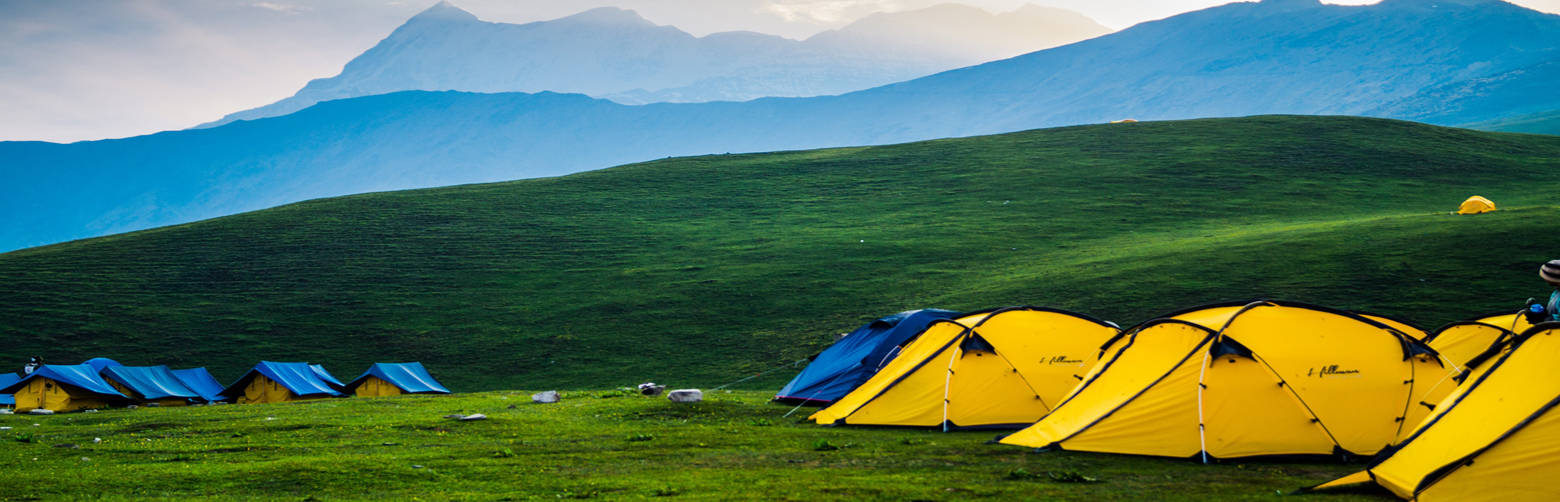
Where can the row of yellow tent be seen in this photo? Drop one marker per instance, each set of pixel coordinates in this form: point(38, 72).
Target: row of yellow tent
point(1223, 381)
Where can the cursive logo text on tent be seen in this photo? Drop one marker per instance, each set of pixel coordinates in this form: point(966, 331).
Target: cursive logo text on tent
point(1332, 371)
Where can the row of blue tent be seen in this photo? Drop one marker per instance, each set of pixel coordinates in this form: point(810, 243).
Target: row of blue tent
point(102, 382)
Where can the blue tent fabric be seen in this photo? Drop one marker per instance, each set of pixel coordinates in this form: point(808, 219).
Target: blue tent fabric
point(98, 363)
point(149, 382)
point(298, 378)
point(848, 363)
point(200, 381)
point(319, 369)
point(6, 379)
point(411, 378)
point(80, 376)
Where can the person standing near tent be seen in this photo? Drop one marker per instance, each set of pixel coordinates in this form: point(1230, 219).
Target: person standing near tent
point(33, 365)
point(1538, 312)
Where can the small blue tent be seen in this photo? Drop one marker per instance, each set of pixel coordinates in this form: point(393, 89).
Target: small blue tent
point(271, 382)
point(201, 381)
point(409, 378)
point(848, 363)
point(6, 379)
point(64, 388)
point(98, 363)
point(150, 384)
point(335, 383)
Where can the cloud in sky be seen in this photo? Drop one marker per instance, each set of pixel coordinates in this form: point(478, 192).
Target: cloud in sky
point(93, 69)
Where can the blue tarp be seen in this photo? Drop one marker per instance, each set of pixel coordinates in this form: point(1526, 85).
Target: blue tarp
point(335, 383)
point(200, 381)
point(149, 382)
point(848, 363)
point(80, 376)
point(299, 378)
point(98, 363)
point(411, 378)
point(6, 379)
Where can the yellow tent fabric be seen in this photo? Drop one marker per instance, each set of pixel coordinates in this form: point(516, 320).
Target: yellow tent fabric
point(1242, 380)
point(45, 393)
point(1463, 341)
point(265, 390)
point(1496, 438)
point(1398, 324)
point(1476, 205)
point(376, 387)
point(1003, 369)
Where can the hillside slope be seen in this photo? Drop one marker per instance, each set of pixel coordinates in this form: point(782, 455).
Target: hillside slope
point(697, 271)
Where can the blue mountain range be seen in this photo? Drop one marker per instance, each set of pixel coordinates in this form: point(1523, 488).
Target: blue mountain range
point(1446, 62)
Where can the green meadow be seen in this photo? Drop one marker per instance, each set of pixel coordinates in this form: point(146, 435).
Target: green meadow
point(591, 445)
point(700, 271)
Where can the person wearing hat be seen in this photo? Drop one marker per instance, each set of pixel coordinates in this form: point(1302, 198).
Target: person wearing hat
point(32, 365)
point(1550, 312)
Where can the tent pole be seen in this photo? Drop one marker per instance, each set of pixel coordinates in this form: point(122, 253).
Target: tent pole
point(1202, 427)
point(948, 379)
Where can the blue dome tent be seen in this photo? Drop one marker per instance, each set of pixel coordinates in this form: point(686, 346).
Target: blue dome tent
point(852, 360)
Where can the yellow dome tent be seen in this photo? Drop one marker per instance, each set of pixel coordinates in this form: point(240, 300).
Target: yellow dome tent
point(1242, 380)
point(1496, 438)
point(1476, 205)
point(1003, 369)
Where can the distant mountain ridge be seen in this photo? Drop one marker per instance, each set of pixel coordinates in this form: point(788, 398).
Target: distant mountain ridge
point(616, 54)
point(1273, 57)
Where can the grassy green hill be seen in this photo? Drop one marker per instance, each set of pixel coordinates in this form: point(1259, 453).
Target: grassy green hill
point(699, 271)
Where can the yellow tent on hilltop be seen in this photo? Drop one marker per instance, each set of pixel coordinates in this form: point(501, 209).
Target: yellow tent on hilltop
point(1002, 369)
point(1241, 380)
point(1476, 205)
point(1496, 438)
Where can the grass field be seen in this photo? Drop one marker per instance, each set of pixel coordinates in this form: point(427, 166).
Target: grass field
point(734, 446)
point(699, 271)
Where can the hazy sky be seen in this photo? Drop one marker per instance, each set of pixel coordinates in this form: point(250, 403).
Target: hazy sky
point(75, 70)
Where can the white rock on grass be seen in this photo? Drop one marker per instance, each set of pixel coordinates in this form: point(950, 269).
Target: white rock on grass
point(5, 428)
point(686, 396)
point(475, 417)
point(40, 411)
point(548, 397)
point(6, 412)
point(455, 416)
